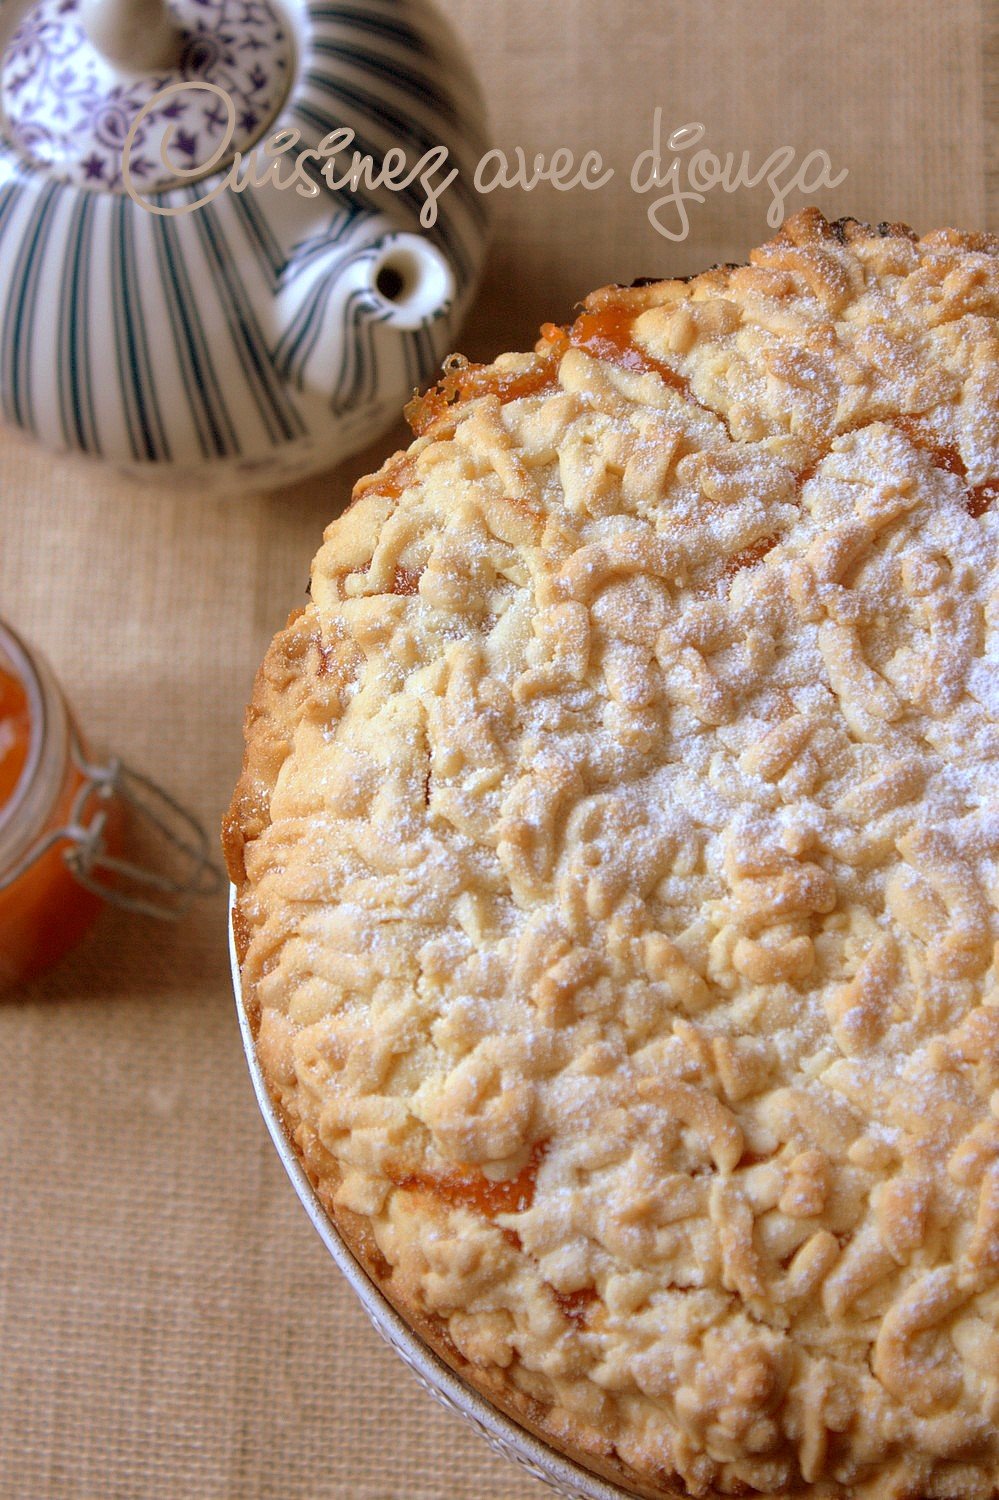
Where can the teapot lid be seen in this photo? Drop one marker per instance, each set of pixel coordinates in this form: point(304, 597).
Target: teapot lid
point(77, 75)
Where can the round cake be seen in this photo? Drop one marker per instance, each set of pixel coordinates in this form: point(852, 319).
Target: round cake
point(616, 857)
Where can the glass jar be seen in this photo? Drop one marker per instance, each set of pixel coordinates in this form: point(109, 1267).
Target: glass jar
point(44, 909)
point(61, 827)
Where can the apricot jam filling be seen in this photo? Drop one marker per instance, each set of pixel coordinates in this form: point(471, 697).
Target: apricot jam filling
point(397, 477)
point(981, 497)
point(406, 581)
point(15, 733)
point(748, 557)
point(575, 1305)
point(464, 381)
point(468, 1187)
point(605, 334)
point(978, 498)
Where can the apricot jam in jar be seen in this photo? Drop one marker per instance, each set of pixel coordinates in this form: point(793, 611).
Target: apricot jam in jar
point(62, 817)
point(45, 908)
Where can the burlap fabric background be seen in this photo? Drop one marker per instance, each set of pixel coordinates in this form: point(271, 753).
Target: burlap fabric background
point(170, 1325)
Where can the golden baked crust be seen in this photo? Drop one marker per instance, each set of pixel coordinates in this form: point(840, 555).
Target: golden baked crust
point(617, 882)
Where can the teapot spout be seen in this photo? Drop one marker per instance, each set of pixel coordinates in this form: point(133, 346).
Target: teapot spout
point(333, 304)
point(411, 281)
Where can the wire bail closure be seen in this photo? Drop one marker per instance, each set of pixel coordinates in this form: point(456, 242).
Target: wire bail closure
point(152, 892)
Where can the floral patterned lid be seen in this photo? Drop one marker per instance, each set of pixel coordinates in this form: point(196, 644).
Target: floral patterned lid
point(78, 75)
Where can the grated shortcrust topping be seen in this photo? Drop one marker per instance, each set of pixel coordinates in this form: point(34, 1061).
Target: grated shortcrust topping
point(616, 852)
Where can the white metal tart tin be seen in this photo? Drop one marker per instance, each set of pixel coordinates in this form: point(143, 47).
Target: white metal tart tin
point(503, 1435)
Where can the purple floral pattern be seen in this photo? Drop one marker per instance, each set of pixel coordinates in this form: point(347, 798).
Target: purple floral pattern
point(69, 110)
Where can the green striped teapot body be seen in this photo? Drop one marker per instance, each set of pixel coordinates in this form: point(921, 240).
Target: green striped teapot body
point(248, 325)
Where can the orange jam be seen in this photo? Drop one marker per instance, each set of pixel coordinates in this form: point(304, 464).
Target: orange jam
point(15, 733)
point(467, 1187)
point(606, 333)
point(464, 381)
point(406, 581)
point(981, 498)
point(748, 557)
point(575, 1305)
point(977, 498)
point(44, 911)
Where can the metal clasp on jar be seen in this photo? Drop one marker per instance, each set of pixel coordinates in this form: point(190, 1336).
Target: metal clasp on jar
point(163, 889)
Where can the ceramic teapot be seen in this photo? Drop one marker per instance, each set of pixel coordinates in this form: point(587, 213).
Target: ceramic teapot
point(166, 304)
